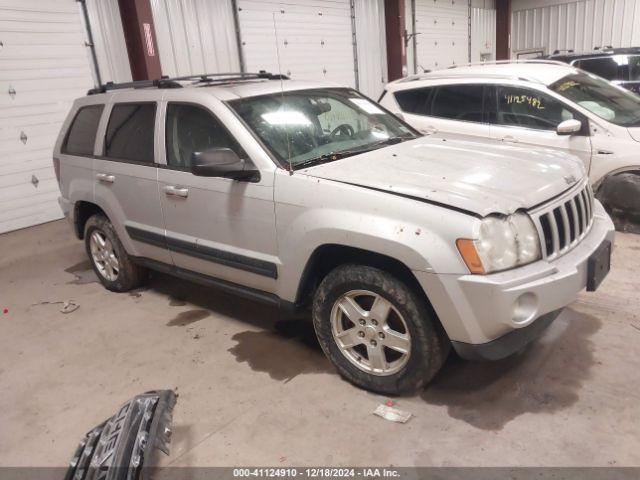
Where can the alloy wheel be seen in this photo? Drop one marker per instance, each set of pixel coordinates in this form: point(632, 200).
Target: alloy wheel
point(103, 255)
point(370, 332)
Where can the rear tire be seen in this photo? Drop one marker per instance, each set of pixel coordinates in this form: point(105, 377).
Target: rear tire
point(379, 333)
point(109, 260)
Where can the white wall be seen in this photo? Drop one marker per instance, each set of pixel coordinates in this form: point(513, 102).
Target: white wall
point(442, 32)
point(43, 60)
point(372, 47)
point(483, 34)
point(195, 36)
point(108, 38)
point(577, 25)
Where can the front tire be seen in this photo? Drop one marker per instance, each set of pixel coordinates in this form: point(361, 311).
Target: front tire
point(378, 332)
point(109, 260)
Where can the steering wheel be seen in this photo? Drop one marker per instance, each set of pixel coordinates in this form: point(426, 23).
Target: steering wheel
point(343, 130)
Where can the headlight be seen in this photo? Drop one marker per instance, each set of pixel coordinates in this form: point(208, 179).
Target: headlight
point(502, 243)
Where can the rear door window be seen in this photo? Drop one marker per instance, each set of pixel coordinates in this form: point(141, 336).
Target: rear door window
point(130, 132)
point(458, 102)
point(414, 101)
point(82, 133)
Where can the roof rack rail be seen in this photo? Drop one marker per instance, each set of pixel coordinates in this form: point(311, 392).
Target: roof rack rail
point(501, 62)
point(173, 82)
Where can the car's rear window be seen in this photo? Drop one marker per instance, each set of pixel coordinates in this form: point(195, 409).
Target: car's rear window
point(130, 132)
point(82, 133)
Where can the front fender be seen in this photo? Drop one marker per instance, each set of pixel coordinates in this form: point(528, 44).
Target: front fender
point(419, 235)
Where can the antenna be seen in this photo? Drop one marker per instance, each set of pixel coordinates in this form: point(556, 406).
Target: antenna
point(286, 129)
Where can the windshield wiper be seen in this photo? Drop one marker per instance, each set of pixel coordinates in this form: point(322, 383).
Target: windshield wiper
point(332, 156)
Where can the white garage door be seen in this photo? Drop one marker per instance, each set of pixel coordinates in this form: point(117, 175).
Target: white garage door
point(442, 33)
point(43, 67)
point(315, 38)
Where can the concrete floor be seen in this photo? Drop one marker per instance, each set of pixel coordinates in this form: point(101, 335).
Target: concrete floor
point(257, 391)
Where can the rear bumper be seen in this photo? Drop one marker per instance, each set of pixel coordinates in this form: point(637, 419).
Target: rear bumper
point(67, 211)
point(503, 311)
point(123, 444)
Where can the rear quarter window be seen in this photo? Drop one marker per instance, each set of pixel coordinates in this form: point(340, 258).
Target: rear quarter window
point(414, 100)
point(81, 137)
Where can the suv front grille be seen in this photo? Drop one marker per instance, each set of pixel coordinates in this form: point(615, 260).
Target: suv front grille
point(562, 225)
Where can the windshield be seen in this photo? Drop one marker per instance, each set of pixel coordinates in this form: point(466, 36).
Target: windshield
point(305, 127)
point(601, 98)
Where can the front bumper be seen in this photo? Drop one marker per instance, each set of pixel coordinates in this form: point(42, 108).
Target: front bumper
point(478, 310)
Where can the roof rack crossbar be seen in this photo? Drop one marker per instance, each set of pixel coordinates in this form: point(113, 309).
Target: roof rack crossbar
point(167, 82)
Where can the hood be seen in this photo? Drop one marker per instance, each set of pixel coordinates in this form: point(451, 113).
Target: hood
point(635, 133)
point(475, 177)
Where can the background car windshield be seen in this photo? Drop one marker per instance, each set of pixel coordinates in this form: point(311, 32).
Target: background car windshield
point(300, 126)
point(608, 102)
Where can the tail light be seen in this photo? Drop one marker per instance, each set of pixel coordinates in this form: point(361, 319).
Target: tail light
point(56, 168)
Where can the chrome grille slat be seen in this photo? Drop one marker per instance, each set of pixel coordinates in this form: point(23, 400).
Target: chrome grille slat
point(563, 223)
point(554, 233)
point(575, 216)
point(584, 211)
point(587, 202)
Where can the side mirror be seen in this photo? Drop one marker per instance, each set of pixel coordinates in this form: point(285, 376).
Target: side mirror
point(569, 127)
point(223, 162)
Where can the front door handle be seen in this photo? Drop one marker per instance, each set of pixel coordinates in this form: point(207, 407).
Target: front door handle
point(509, 139)
point(105, 178)
point(428, 130)
point(176, 191)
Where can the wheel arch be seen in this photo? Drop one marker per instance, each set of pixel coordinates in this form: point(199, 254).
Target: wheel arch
point(620, 190)
point(327, 257)
point(82, 211)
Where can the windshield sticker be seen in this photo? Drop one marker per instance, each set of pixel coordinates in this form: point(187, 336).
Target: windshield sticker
point(366, 105)
point(526, 99)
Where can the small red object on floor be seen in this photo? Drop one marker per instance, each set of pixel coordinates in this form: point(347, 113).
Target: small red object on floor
point(389, 403)
point(5, 310)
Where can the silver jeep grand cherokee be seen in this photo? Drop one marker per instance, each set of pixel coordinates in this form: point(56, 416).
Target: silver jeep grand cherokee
point(303, 194)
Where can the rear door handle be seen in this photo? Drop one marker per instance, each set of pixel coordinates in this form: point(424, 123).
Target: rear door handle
point(509, 139)
point(176, 191)
point(105, 178)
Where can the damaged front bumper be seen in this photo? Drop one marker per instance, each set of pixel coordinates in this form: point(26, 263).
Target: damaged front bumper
point(118, 448)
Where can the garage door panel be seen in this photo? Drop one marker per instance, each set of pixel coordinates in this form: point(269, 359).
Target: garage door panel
point(32, 110)
point(32, 16)
point(37, 128)
point(37, 51)
point(65, 96)
point(17, 63)
point(442, 29)
point(42, 74)
point(45, 63)
point(319, 29)
point(7, 25)
point(30, 85)
point(41, 173)
point(14, 194)
point(44, 212)
point(41, 159)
